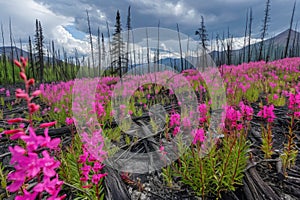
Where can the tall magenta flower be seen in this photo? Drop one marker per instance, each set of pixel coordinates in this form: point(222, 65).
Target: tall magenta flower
point(246, 111)
point(175, 119)
point(27, 162)
point(198, 135)
point(267, 113)
point(202, 108)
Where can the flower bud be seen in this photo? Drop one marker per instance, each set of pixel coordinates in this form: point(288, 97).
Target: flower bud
point(23, 75)
point(24, 61)
point(22, 95)
point(46, 125)
point(30, 81)
point(17, 63)
point(16, 120)
point(10, 132)
point(36, 93)
point(33, 107)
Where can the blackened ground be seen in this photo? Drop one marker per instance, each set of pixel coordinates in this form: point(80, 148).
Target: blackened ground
point(263, 178)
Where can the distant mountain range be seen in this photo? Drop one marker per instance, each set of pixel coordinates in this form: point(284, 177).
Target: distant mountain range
point(273, 46)
point(17, 52)
point(276, 44)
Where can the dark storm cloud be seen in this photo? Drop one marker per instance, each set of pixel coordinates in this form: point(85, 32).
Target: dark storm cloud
point(219, 15)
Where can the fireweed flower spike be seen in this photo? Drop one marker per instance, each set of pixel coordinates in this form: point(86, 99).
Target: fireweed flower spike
point(27, 162)
point(267, 113)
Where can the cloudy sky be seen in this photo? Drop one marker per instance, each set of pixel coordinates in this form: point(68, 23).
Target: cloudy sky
point(64, 21)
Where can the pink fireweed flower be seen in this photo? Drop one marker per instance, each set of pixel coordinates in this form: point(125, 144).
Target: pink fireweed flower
point(175, 119)
point(69, 121)
point(246, 111)
point(84, 178)
point(176, 130)
point(230, 90)
point(56, 110)
point(186, 122)
point(18, 179)
point(97, 177)
point(112, 113)
point(17, 154)
point(294, 101)
point(171, 92)
point(32, 140)
point(233, 116)
point(272, 85)
point(93, 148)
point(26, 161)
point(84, 156)
point(97, 167)
point(33, 107)
point(32, 165)
point(49, 164)
point(267, 113)
point(198, 135)
point(275, 97)
point(162, 150)
point(122, 107)
point(202, 108)
point(297, 114)
point(27, 195)
point(50, 186)
point(85, 170)
point(285, 93)
point(99, 109)
point(92, 158)
point(48, 142)
point(7, 93)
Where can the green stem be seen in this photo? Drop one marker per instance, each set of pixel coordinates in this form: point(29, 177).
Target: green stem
point(201, 171)
point(225, 165)
point(238, 158)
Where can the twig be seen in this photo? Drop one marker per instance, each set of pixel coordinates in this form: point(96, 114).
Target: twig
point(4, 155)
point(253, 164)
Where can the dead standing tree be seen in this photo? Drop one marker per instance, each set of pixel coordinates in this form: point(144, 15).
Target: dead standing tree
point(117, 51)
point(203, 37)
point(264, 29)
point(290, 30)
point(39, 47)
point(91, 40)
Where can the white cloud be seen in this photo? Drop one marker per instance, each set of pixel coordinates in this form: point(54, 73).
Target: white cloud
point(64, 39)
point(23, 15)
